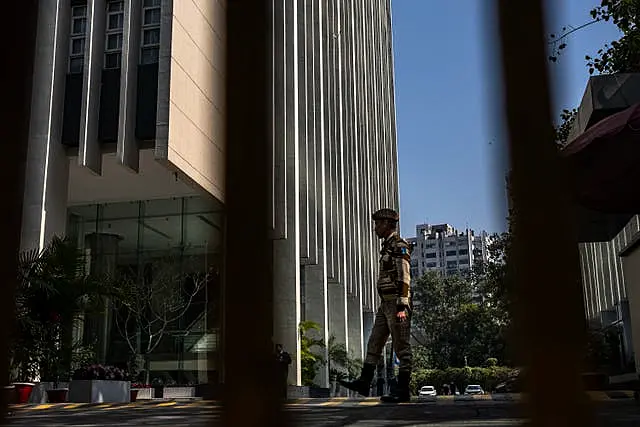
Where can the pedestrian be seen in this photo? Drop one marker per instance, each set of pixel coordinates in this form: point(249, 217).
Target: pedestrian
point(393, 314)
point(283, 360)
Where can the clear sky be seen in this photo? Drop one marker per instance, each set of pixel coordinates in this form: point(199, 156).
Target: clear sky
point(447, 118)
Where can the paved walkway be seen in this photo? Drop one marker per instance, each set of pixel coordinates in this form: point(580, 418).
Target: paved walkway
point(443, 412)
point(333, 402)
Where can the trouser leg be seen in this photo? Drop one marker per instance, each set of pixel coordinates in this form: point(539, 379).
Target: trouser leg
point(377, 340)
point(401, 337)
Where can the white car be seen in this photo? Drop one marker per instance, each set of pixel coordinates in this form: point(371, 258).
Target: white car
point(427, 390)
point(473, 389)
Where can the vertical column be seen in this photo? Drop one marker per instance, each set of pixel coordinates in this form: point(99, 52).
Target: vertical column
point(316, 311)
point(337, 312)
point(354, 327)
point(127, 149)
point(47, 166)
point(103, 249)
point(89, 152)
point(286, 251)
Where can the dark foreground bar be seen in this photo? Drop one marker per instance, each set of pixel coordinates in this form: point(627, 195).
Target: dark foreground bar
point(548, 299)
point(250, 398)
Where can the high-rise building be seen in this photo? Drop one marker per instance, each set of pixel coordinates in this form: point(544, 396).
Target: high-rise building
point(127, 148)
point(442, 248)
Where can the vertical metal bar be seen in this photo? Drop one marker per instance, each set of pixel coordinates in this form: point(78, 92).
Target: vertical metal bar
point(548, 300)
point(250, 374)
point(15, 132)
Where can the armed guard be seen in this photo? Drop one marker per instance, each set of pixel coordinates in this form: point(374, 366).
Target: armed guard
point(393, 314)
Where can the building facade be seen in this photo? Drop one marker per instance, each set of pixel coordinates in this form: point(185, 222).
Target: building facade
point(127, 147)
point(442, 248)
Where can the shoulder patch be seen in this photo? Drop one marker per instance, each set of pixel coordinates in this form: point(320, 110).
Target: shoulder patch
point(404, 250)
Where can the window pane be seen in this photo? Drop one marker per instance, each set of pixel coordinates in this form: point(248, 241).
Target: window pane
point(151, 37)
point(112, 60)
point(115, 21)
point(114, 41)
point(150, 55)
point(79, 10)
point(79, 25)
point(77, 46)
point(151, 3)
point(75, 65)
point(116, 6)
point(151, 16)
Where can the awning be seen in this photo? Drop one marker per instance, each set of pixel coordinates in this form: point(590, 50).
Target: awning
point(604, 164)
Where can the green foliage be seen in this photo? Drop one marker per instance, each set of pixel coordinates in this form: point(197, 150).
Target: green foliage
point(52, 292)
point(310, 358)
point(618, 56)
point(567, 119)
point(602, 353)
point(462, 320)
point(341, 364)
point(488, 378)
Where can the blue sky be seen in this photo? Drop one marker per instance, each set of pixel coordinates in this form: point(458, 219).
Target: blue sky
point(446, 111)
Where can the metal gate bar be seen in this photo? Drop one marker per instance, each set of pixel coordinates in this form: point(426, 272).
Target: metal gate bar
point(548, 310)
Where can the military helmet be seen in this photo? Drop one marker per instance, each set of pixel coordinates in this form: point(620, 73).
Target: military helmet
point(388, 214)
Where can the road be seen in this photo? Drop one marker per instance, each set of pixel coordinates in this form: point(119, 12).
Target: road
point(318, 413)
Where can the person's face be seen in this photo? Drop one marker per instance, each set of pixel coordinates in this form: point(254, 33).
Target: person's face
point(382, 228)
point(278, 348)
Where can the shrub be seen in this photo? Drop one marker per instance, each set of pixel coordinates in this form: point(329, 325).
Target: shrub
point(100, 372)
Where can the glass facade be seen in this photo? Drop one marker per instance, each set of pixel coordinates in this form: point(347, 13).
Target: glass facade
point(172, 248)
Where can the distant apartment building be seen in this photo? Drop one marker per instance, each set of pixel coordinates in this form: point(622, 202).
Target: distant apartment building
point(444, 249)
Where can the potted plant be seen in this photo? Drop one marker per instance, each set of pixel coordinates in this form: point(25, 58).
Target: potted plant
point(100, 384)
point(53, 290)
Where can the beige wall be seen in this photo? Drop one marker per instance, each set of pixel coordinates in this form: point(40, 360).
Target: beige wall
point(191, 95)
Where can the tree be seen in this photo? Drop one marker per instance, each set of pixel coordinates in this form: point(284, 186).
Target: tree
point(310, 358)
point(53, 292)
point(146, 305)
point(618, 56)
point(464, 319)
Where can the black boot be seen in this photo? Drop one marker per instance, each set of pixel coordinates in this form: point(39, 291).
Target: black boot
point(361, 385)
point(402, 392)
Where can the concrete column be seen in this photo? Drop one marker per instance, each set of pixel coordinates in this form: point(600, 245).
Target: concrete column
point(354, 327)
point(47, 166)
point(89, 151)
point(103, 250)
point(337, 312)
point(316, 311)
point(127, 149)
point(368, 318)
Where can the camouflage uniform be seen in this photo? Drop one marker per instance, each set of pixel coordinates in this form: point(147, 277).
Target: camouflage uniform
point(395, 294)
point(393, 287)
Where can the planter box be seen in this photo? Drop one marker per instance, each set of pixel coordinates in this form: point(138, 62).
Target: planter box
point(172, 392)
point(100, 391)
point(145, 393)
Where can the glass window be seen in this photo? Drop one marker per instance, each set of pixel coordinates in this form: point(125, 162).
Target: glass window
point(116, 21)
point(77, 41)
point(79, 26)
point(152, 16)
point(150, 55)
point(114, 35)
point(131, 239)
point(79, 11)
point(151, 37)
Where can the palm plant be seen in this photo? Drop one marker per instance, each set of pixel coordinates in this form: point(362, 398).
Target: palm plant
point(53, 291)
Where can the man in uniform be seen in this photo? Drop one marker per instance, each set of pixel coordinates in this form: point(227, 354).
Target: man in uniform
point(392, 316)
